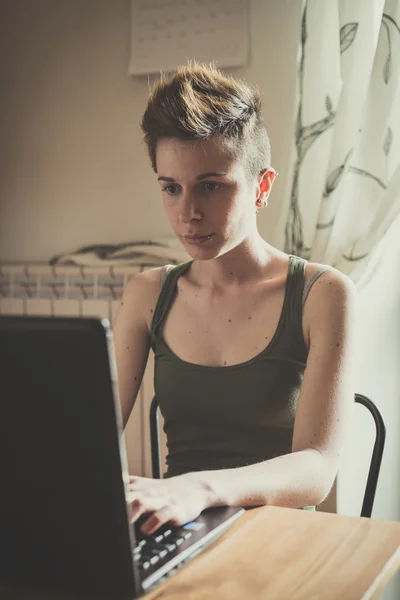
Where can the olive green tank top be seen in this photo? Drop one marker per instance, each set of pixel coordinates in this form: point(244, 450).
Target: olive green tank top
point(226, 417)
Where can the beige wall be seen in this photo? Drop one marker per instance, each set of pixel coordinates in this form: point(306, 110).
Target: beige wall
point(73, 170)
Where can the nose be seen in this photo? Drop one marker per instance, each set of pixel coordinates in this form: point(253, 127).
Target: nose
point(189, 209)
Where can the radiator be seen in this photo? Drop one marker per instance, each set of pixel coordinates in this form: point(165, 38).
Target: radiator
point(83, 292)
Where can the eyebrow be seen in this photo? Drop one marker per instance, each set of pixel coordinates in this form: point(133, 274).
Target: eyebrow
point(199, 177)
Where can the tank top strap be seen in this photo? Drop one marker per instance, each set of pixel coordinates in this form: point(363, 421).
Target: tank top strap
point(307, 287)
point(164, 273)
point(166, 296)
point(294, 296)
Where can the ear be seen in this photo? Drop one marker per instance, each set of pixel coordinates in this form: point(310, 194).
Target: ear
point(265, 180)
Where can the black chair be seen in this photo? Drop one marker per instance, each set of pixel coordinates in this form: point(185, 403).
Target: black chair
point(155, 440)
point(377, 454)
point(374, 469)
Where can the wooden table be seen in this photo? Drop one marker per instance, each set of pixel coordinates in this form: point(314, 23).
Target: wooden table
point(283, 554)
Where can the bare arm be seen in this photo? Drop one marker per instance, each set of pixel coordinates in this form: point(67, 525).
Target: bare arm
point(131, 332)
point(305, 477)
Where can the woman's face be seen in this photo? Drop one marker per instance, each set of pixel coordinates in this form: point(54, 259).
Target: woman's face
point(207, 196)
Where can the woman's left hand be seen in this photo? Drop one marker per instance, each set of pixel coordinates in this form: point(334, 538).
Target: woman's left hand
point(176, 500)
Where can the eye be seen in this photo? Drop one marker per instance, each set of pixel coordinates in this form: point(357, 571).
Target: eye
point(211, 186)
point(171, 189)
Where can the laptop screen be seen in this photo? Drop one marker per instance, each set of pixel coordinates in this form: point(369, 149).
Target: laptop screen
point(63, 519)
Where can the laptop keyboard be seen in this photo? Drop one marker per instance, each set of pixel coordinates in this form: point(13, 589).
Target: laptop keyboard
point(154, 550)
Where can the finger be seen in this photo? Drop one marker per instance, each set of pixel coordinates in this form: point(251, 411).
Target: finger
point(159, 518)
point(134, 492)
point(135, 509)
point(143, 504)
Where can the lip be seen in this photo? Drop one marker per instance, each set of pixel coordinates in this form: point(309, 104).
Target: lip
point(199, 239)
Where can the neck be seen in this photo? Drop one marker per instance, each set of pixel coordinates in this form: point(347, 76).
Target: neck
point(245, 263)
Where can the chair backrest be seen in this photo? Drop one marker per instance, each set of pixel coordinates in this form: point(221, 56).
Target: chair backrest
point(374, 469)
point(377, 454)
point(155, 440)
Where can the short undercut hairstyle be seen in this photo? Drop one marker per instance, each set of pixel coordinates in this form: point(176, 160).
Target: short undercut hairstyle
point(199, 102)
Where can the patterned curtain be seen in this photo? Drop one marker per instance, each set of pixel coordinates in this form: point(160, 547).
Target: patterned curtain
point(345, 188)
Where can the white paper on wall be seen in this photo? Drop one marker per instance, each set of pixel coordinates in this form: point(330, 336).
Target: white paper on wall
point(166, 33)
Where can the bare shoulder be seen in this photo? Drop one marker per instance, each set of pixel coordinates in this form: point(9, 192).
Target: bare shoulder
point(146, 282)
point(140, 297)
point(131, 332)
point(330, 281)
point(332, 295)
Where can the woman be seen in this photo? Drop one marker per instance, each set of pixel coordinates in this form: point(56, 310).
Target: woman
point(254, 349)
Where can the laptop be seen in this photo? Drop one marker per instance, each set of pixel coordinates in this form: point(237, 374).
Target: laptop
point(64, 523)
